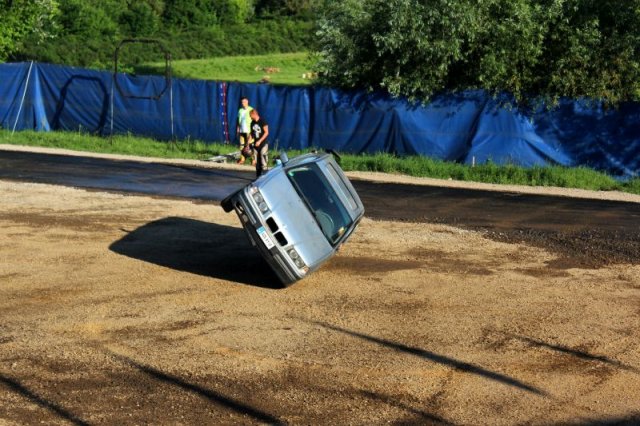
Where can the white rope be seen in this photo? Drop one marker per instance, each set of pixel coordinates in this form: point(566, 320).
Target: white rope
point(112, 85)
point(24, 94)
point(171, 101)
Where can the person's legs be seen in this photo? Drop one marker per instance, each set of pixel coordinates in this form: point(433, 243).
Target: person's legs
point(255, 153)
point(243, 141)
point(262, 159)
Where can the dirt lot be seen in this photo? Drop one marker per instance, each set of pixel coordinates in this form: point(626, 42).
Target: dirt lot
point(132, 310)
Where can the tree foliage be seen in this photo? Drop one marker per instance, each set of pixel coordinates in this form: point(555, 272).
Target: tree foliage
point(20, 19)
point(86, 32)
point(548, 48)
point(413, 48)
point(291, 8)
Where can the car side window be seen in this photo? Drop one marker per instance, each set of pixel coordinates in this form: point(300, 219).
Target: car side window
point(322, 200)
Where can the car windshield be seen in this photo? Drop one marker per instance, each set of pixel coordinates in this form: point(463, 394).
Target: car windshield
point(315, 190)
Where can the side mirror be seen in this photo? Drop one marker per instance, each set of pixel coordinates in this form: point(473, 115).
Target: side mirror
point(335, 155)
point(284, 158)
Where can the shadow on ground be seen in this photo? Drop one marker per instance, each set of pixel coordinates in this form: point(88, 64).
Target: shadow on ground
point(207, 394)
point(19, 388)
point(440, 359)
point(197, 247)
point(577, 353)
point(630, 420)
point(421, 416)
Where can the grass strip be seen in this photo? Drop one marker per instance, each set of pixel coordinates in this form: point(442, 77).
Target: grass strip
point(419, 166)
point(119, 144)
point(276, 68)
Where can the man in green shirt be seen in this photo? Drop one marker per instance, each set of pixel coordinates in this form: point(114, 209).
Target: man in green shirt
point(243, 127)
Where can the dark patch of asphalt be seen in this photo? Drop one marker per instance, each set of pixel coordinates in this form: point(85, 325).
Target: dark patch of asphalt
point(584, 233)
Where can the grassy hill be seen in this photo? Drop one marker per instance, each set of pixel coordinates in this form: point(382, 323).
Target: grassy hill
point(278, 68)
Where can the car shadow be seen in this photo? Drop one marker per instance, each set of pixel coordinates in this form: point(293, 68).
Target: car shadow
point(197, 247)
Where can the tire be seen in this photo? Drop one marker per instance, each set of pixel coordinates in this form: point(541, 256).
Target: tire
point(227, 204)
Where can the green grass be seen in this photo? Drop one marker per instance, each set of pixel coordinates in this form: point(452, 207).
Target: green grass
point(578, 177)
point(119, 144)
point(287, 68)
point(558, 176)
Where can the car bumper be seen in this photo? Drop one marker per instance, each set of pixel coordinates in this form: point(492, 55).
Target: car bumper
point(274, 256)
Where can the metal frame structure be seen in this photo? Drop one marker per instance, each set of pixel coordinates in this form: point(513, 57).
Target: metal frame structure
point(167, 74)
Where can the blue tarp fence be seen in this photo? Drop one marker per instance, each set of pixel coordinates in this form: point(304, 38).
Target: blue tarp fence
point(466, 127)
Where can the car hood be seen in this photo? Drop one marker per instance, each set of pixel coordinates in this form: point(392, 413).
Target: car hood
point(294, 219)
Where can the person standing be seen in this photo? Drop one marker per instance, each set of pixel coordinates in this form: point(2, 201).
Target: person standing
point(259, 134)
point(243, 127)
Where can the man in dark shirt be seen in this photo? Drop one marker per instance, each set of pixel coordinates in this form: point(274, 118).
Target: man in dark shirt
point(259, 134)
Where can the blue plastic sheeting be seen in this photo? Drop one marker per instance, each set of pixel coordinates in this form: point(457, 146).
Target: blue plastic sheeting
point(464, 127)
point(285, 109)
point(66, 98)
point(468, 127)
point(592, 136)
point(13, 79)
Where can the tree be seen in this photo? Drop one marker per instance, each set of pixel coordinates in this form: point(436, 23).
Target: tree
point(547, 48)
point(295, 8)
point(509, 45)
point(82, 17)
point(185, 14)
point(235, 11)
point(87, 31)
point(25, 18)
point(593, 49)
point(140, 19)
point(406, 47)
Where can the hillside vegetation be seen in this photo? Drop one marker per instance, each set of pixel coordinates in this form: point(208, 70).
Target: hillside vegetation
point(276, 68)
point(531, 48)
point(86, 32)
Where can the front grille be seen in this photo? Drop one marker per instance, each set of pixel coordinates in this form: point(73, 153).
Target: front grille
point(280, 238)
point(273, 226)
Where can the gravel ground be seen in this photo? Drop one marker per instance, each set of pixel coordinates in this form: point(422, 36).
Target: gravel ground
point(133, 310)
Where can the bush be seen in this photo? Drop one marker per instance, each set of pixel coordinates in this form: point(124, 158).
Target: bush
point(265, 36)
point(547, 48)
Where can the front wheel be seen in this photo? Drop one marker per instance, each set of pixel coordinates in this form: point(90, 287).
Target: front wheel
point(227, 203)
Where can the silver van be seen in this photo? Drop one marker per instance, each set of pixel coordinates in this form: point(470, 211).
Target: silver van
point(298, 214)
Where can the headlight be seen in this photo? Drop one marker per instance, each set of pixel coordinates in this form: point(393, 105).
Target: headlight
point(259, 199)
point(293, 254)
